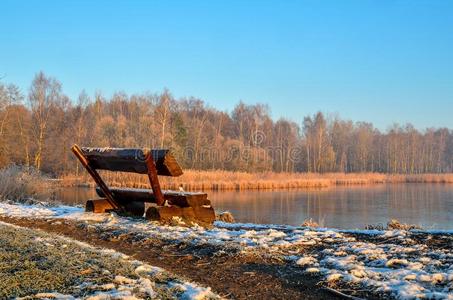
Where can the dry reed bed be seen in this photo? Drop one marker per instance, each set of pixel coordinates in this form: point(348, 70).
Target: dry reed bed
point(227, 180)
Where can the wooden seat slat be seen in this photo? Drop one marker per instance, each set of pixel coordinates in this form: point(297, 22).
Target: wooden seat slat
point(132, 160)
point(182, 199)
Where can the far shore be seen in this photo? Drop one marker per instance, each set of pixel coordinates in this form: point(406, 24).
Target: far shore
point(227, 180)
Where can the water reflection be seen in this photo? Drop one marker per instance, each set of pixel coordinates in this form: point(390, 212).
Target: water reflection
point(428, 205)
point(75, 195)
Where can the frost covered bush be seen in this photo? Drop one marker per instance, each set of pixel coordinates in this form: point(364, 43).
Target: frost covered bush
point(24, 185)
point(226, 217)
point(309, 223)
point(397, 225)
point(393, 225)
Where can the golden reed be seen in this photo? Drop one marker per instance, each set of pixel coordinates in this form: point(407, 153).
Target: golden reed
point(227, 180)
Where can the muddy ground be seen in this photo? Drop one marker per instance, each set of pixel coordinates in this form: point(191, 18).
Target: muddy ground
point(230, 272)
point(232, 275)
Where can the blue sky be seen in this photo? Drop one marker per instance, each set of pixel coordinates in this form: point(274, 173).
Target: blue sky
point(381, 61)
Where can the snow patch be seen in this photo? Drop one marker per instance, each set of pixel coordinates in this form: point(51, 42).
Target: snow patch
point(395, 264)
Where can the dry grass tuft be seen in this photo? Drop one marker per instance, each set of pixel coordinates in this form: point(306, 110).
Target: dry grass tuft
point(393, 224)
point(397, 225)
point(310, 223)
point(32, 262)
point(226, 217)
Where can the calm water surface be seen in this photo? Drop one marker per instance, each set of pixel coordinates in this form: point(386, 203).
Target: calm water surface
point(428, 205)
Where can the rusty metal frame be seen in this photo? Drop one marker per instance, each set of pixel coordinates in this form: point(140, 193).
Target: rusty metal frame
point(153, 179)
point(96, 177)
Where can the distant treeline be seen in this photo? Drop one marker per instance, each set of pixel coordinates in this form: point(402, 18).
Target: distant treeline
point(37, 129)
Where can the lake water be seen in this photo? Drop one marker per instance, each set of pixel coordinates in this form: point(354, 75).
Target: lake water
point(428, 205)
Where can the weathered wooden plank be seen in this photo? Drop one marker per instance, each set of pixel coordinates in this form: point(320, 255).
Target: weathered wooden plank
point(187, 200)
point(205, 214)
point(134, 208)
point(166, 213)
point(102, 205)
point(132, 160)
point(182, 199)
point(202, 215)
point(153, 179)
point(98, 206)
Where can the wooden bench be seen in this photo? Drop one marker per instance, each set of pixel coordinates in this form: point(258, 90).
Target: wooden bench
point(191, 206)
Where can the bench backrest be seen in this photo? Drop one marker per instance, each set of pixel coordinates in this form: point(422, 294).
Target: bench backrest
point(132, 160)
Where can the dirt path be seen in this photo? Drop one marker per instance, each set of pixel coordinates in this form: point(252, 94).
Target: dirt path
point(229, 274)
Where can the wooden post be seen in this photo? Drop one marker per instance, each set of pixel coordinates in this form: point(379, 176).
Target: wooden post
point(96, 177)
point(153, 179)
point(98, 206)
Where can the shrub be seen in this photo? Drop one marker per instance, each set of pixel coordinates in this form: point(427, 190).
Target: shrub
point(393, 224)
point(397, 225)
point(24, 185)
point(226, 217)
point(310, 223)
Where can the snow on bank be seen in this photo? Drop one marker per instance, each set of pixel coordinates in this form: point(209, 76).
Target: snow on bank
point(37, 210)
point(388, 262)
point(407, 271)
point(241, 236)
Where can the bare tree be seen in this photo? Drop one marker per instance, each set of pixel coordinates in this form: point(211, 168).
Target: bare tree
point(40, 132)
point(44, 93)
point(163, 114)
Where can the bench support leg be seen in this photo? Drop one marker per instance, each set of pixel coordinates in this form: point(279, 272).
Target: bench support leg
point(96, 177)
point(153, 179)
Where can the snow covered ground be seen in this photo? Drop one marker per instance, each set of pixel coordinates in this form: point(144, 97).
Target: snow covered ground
point(395, 263)
point(105, 274)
